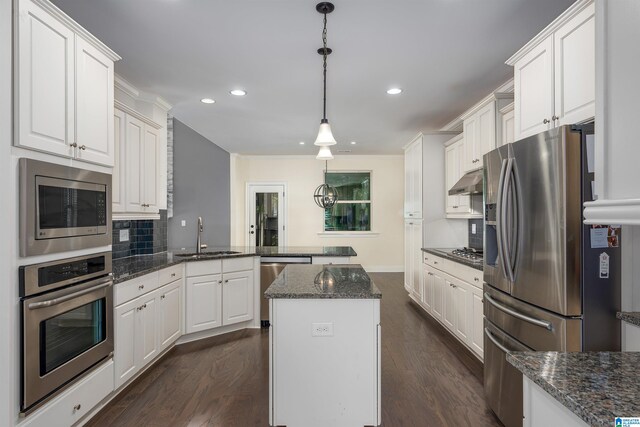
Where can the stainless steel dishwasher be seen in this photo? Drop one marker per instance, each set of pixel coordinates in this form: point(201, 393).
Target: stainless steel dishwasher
point(270, 267)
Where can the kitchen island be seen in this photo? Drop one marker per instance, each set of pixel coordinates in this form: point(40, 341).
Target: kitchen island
point(324, 366)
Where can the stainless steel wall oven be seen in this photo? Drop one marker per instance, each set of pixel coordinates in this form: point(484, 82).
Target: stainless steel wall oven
point(62, 208)
point(67, 323)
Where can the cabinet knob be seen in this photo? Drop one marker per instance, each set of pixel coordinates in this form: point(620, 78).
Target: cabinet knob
point(73, 145)
point(435, 262)
point(83, 147)
point(162, 297)
point(220, 281)
point(554, 118)
point(455, 207)
point(453, 285)
point(144, 305)
point(173, 274)
point(546, 121)
point(77, 407)
point(476, 279)
point(141, 287)
point(226, 281)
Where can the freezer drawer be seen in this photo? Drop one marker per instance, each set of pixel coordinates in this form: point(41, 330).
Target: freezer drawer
point(502, 381)
point(539, 329)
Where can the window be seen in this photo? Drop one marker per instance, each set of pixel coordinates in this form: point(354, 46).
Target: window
point(353, 210)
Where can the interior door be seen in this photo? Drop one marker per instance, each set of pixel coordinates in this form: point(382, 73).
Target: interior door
point(266, 215)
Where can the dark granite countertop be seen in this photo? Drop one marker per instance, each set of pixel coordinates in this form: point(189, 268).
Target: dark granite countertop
point(346, 281)
point(596, 386)
point(444, 253)
point(632, 317)
point(131, 267)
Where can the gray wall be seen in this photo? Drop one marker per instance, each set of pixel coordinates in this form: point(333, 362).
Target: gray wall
point(200, 188)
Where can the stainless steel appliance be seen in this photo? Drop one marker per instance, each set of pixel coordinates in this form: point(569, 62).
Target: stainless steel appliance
point(545, 288)
point(468, 254)
point(270, 268)
point(67, 323)
point(62, 208)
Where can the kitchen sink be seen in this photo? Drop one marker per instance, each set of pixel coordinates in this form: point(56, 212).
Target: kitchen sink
point(206, 253)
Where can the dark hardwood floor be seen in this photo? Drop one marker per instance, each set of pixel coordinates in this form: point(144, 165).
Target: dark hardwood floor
point(428, 378)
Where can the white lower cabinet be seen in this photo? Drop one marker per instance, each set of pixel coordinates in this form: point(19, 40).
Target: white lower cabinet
point(219, 293)
point(454, 298)
point(144, 327)
point(413, 257)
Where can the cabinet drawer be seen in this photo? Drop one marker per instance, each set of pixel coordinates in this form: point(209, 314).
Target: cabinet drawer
point(237, 264)
point(465, 273)
point(202, 268)
point(126, 291)
point(170, 274)
point(434, 260)
point(76, 402)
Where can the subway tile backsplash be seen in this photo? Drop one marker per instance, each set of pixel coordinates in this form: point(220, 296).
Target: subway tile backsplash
point(476, 240)
point(145, 237)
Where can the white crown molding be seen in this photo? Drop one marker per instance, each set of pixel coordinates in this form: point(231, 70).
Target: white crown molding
point(616, 212)
point(509, 107)
point(507, 87)
point(125, 86)
point(129, 216)
point(130, 111)
point(572, 11)
point(77, 28)
point(129, 89)
point(456, 124)
point(453, 140)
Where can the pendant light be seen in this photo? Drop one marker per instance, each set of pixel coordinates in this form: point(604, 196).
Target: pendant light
point(325, 195)
point(325, 137)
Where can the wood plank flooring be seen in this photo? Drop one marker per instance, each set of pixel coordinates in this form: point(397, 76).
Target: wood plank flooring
point(428, 378)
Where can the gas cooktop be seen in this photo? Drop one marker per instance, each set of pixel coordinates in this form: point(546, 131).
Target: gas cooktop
point(468, 254)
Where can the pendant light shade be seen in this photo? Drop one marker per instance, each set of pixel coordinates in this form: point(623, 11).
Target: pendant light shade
point(325, 136)
point(324, 153)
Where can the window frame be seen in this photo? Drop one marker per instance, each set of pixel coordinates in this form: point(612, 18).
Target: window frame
point(369, 201)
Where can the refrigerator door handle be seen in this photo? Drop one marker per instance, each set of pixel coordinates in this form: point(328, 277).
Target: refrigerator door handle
point(506, 226)
point(533, 321)
point(495, 341)
point(500, 219)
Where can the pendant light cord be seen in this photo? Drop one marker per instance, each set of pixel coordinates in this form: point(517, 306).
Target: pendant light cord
point(324, 66)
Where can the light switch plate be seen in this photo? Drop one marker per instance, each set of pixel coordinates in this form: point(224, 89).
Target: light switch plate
point(473, 229)
point(183, 223)
point(124, 235)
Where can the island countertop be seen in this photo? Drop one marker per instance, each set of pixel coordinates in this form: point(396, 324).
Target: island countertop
point(309, 281)
point(596, 386)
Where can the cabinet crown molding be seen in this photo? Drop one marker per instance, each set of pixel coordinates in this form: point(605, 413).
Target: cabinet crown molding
point(54, 11)
point(572, 11)
point(612, 211)
point(456, 124)
point(454, 140)
point(130, 111)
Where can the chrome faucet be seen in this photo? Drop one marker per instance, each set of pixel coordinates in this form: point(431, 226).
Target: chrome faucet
point(199, 245)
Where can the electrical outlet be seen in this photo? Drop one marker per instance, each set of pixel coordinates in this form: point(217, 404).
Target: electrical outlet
point(124, 235)
point(322, 329)
point(473, 229)
point(183, 223)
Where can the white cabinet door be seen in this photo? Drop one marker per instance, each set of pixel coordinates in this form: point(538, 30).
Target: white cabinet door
point(417, 178)
point(408, 258)
point(125, 343)
point(237, 297)
point(470, 131)
point(533, 90)
point(416, 262)
point(438, 294)
point(94, 105)
point(461, 303)
point(45, 82)
point(117, 179)
point(427, 296)
point(150, 162)
point(408, 183)
point(449, 305)
point(452, 174)
point(574, 66)
point(170, 313)
point(134, 179)
point(508, 127)
point(476, 333)
point(204, 302)
point(486, 128)
point(147, 338)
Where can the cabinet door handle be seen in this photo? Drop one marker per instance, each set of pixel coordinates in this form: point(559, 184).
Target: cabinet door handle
point(546, 121)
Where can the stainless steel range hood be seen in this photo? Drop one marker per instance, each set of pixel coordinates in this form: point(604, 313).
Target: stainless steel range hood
point(470, 183)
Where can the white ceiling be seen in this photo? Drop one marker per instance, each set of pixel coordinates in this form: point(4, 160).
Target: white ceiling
point(445, 54)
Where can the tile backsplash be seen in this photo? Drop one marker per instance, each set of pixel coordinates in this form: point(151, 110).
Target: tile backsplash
point(145, 236)
point(476, 240)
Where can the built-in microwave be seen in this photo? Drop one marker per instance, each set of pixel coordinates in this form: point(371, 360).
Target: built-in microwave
point(62, 208)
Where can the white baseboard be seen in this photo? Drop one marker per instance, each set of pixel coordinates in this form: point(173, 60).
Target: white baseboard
point(196, 336)
point(383, 268)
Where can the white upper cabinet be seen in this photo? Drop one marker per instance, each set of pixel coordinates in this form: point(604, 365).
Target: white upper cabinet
point(554, 74)
point(117, 190)
point(454, 154)
point(481, 130)
point(63, 86)
point(413, 179)
point(508, 125)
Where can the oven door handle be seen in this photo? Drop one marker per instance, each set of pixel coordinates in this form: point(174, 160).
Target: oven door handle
point(54, 301)
point(495, 341)
point(542, 323)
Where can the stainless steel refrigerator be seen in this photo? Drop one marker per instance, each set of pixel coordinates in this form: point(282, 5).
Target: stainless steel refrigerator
point(551, 282)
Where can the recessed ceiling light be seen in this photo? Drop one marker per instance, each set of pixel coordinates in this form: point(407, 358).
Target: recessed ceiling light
point(301, 142)
point(353, 143)
point(207, 101)
point(394, 91)
point(238, 92)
